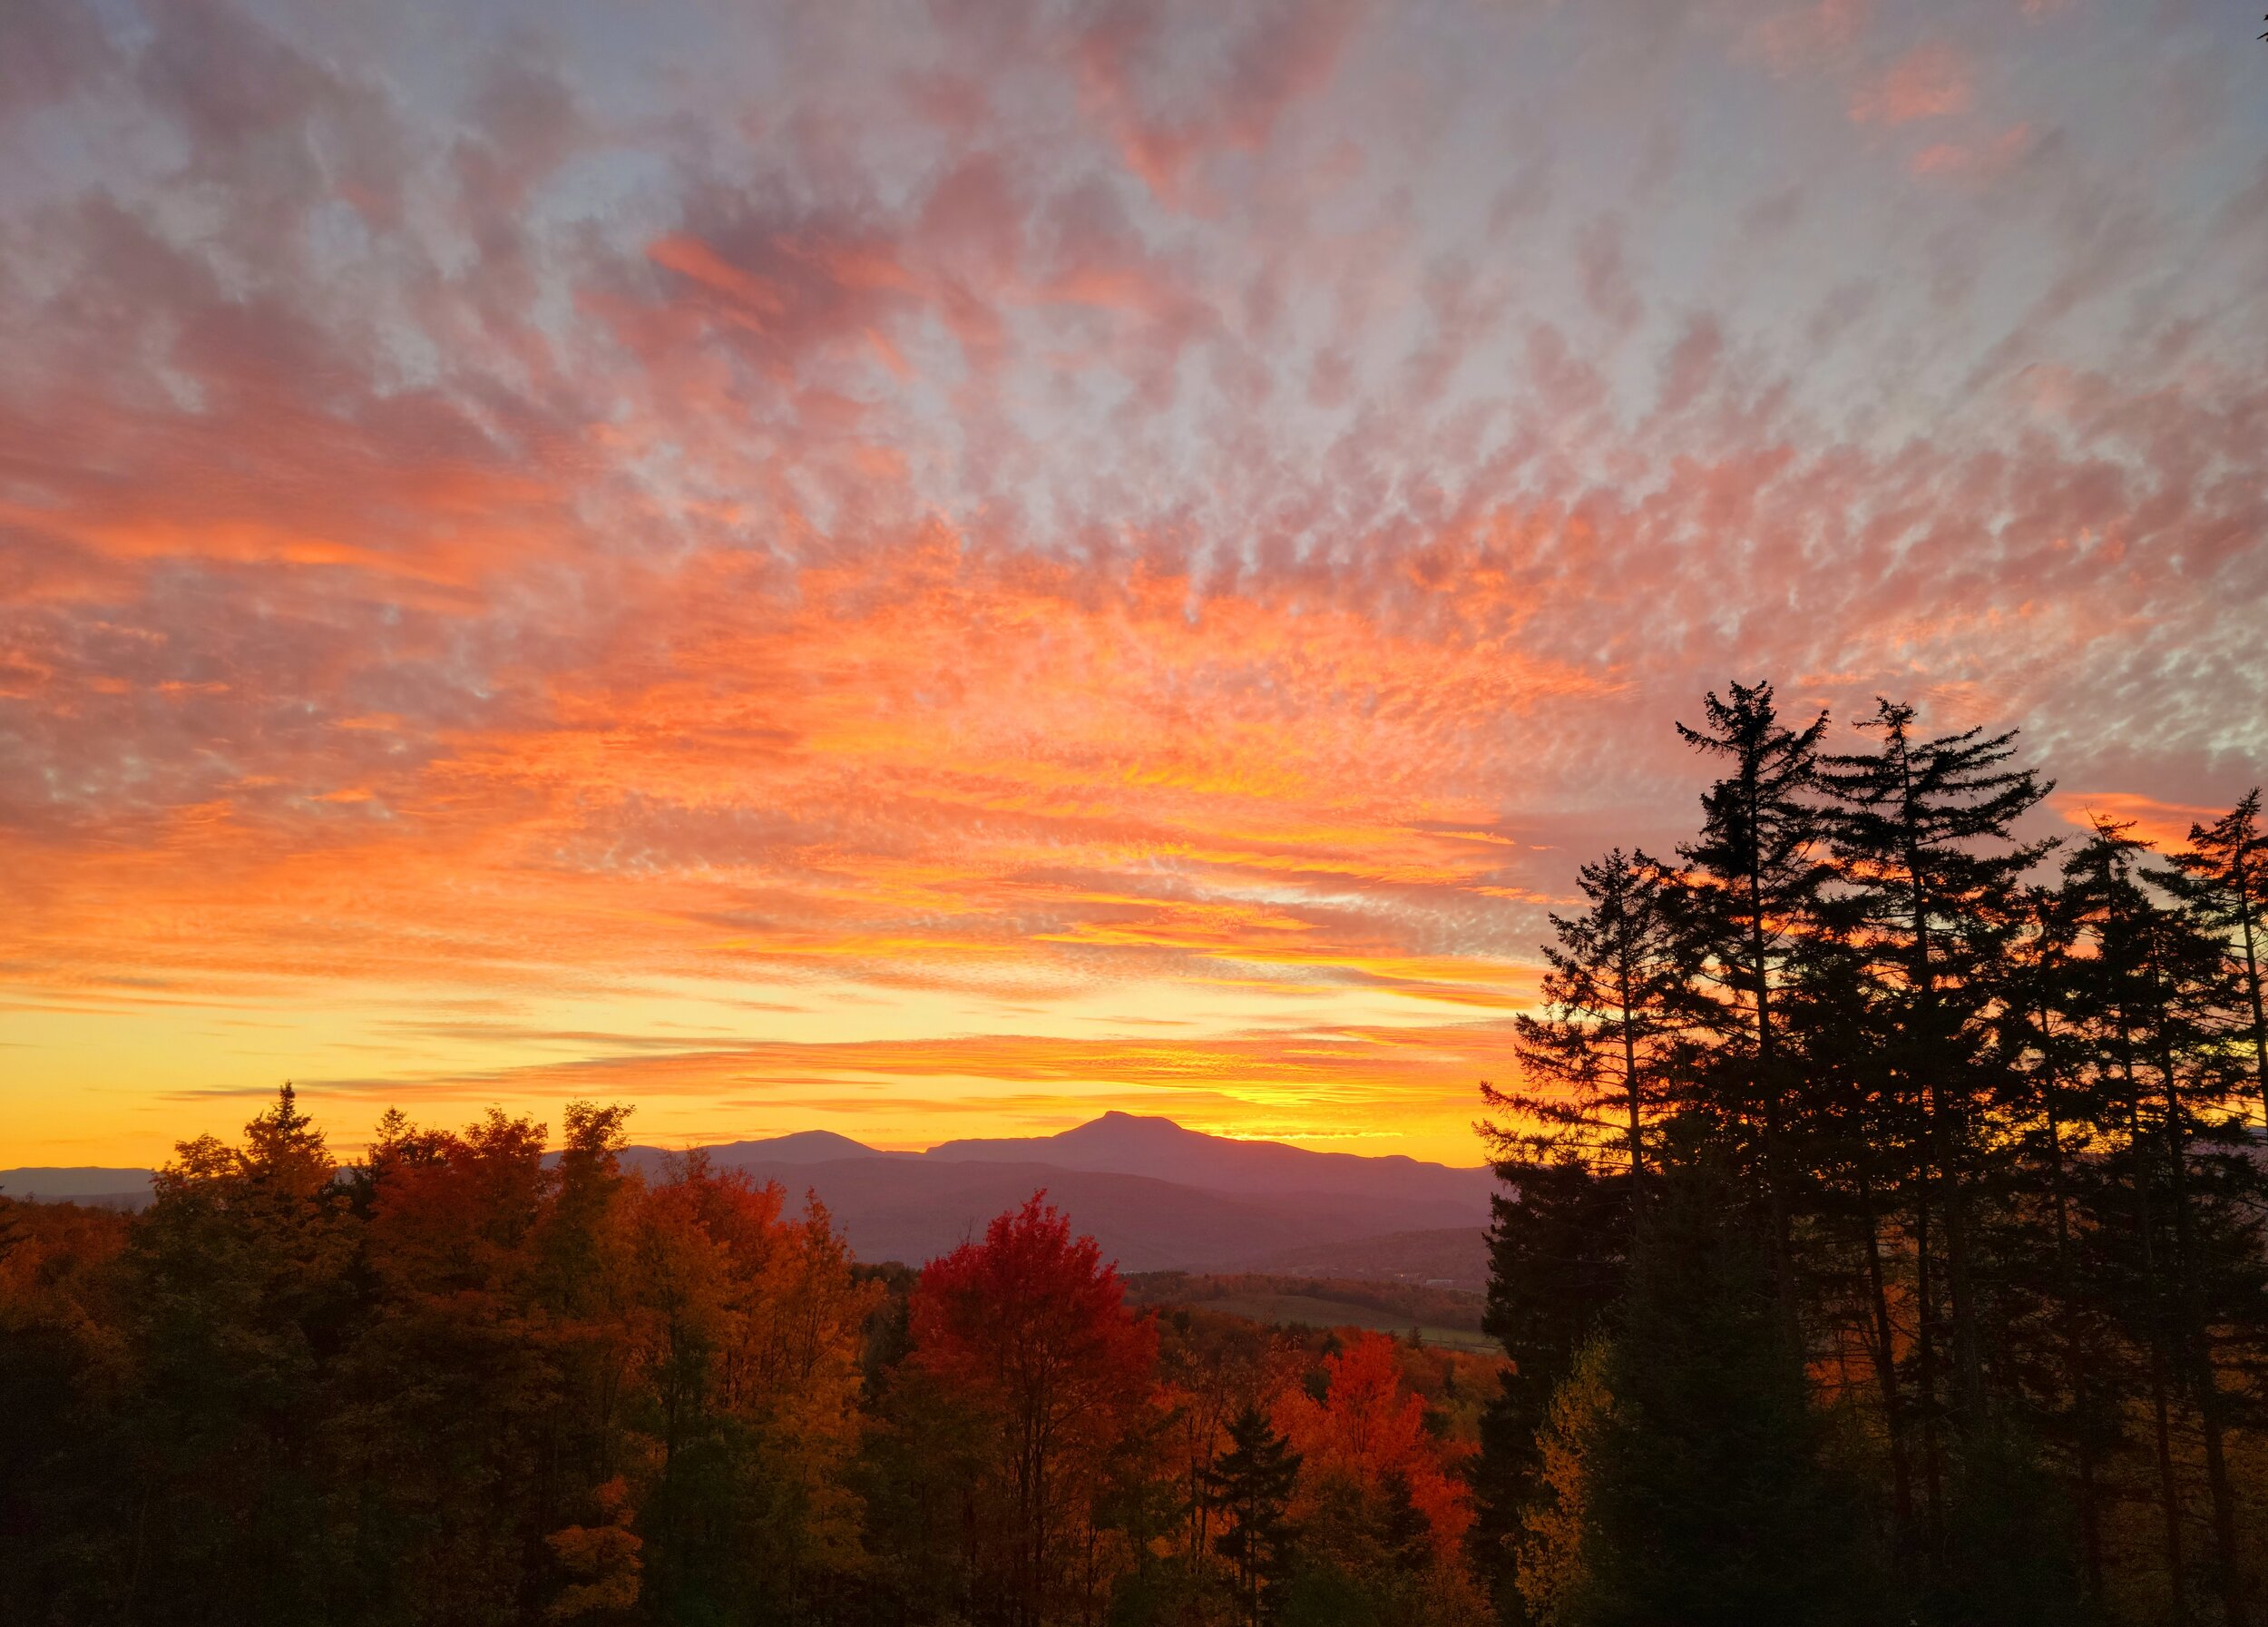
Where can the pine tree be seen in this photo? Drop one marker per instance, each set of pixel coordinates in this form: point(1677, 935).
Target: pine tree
point(1859, 1135)
point(2051, 1101)
point(1596, 1064)
point(1558, 1256)
point(2153, 988)
point(1252, 1482)
point(2222, 875)
point(1923, 833)
point(1759, 866)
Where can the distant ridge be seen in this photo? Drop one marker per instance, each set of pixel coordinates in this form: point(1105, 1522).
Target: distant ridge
point(80, 1183)
point(1155, 1195)
point(1125, 1143)
point(801, 1147)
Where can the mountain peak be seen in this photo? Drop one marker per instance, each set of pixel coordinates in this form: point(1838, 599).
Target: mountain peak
point(1118, 1123)
point(1130, 1143)
point(797, 1147)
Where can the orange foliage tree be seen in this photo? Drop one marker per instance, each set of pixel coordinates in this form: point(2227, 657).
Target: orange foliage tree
point(1369, 1431)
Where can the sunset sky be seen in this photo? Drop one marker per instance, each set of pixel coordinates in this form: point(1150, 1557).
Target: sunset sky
point(933, 571)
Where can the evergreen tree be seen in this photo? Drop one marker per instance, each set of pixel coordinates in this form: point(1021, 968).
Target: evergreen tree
point(1558, 1253)
point(1597, 1065)
point(1759, 866)
point(1252, 1482)
point(2173, 1206)
point(2222, 875)
point(1703, 1492)
point(2052, 1102)
point(1923, 830)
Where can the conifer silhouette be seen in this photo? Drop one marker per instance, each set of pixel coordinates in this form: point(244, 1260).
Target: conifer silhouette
point(1252, 1482)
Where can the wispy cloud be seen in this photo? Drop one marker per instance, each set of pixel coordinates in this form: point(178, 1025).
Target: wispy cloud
point(1039, 524)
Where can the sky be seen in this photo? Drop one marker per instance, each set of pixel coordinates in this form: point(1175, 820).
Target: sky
point(933, 571)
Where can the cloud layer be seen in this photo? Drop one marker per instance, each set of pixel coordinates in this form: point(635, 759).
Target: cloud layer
point(958, 565)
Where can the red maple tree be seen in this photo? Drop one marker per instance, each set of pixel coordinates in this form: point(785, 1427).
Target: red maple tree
point(1029, 1329)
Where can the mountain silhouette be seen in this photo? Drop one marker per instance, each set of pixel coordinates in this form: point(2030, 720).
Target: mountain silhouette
point(1125, 1143)
point(1155, 1195)
point(109, 1187)
point(802, 1147)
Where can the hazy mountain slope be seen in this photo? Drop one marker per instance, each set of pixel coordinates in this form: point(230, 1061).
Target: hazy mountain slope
point(802, 1147)
point(1154, 1195)
point(80, 1183)
point(914, 1210)
point(1126, 1144)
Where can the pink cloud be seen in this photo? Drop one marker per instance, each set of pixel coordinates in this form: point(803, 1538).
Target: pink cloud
point(689, 257)
point(1976, 163)
point(1929, 81)
point(1795, 41)
point(1286, 54)
point(1180, 501)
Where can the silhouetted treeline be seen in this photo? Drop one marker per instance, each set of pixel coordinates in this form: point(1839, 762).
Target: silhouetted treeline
point(464, 1383)
point(1884, 1241)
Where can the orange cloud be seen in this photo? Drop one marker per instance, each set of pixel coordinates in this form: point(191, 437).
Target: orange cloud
point(1042, 527)
point(2164, 825)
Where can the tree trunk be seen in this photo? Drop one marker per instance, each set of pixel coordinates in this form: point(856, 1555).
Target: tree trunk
point(2169, 1489)
point(1934, 1058)
point(1925, 1373)
point(2252, 987)
point(1885, 1351)
point(2075, 1352)
point(2197, 1346)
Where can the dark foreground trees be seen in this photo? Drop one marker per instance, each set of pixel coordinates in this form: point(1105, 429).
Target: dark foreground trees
point(1690, 1480)
point(1951, 1306)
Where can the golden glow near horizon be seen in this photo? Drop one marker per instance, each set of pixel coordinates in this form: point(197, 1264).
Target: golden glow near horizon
point(937, 579)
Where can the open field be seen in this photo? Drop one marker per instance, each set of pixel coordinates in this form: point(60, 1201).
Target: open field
point(1441, 1317)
